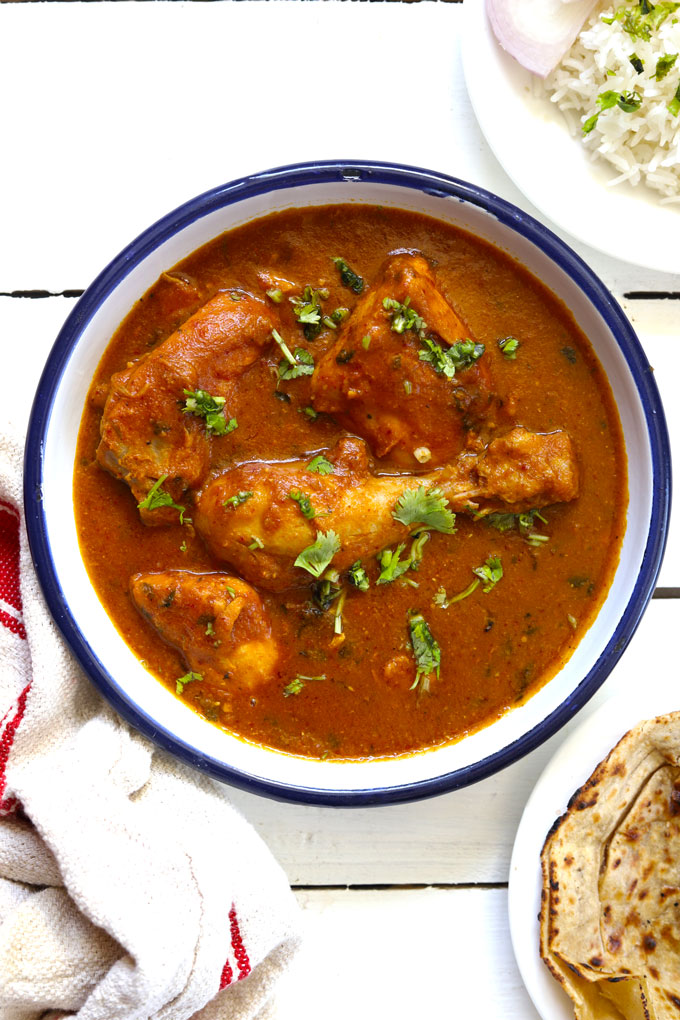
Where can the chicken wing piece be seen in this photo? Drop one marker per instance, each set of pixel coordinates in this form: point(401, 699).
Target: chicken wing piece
point(260, 516)
point(217, 622)
point(374, 381)
point(145, 435)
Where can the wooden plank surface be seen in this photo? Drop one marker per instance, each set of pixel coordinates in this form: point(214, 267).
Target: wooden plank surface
point(404, 954)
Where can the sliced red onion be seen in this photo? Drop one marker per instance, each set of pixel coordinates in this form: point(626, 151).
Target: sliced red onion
point(537, 33)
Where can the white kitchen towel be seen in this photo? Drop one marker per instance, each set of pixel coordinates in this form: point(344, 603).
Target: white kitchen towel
point(130, 889)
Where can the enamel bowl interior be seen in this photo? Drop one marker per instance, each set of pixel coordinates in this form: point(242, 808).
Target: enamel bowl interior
point(137, 695)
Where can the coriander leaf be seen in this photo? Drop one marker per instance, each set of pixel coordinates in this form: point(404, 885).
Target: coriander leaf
point(275, 295)
point(417, 546)
point(637, 63)
point(443, 600)
point(391, 567)
point(491, 572)
point(284, 347)
point(426, 651)
point(308, 310)
point(358, 576)
point(349, 278)
point(325, 591)
point(501, 522)
point(201, 404)
point(629, 101)
point(303, 502)
point(674, 105)
point(448, 360)
point(236, 500)
point(664, 65)
point(320, 466)
point(298, 682)
point(156, 498)
point(309, 412)
point(509, 345)
point(186, 679)
point(404, 317)
point(303, 364)
point(316, 557)
point(427, 507)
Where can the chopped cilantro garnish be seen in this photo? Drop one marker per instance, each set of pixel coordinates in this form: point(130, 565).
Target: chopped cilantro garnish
point(298, 682)
point(303, 365)
point(509, 345)
point(491, 572)
point(303, 502)
point(427, 507)
point(366, 342)
point(344, 356)
point(156, 498)
point(210, 628)
point(236, 500)
point(426, 652)
point(256, 543)
point(639, 22)
point(348, 276)
point(320, 466)
point(310, 413)
point(664, 65)
point(637, 63)
point(404, 317)
point(674, 105)
point(316, 557)
point(524, 522)
point(626, 101)
point(391, 567)
point(275, 295)
point(308, 310)
point(200, 403)
point(448, 360)
point(186, 679)
point(570, 354)
point(325, 591)
point(358, 576)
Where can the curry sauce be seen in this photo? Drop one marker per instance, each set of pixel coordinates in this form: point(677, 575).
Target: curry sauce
point(345, 681)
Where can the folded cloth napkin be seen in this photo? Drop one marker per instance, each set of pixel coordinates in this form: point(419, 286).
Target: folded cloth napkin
point(130, 889)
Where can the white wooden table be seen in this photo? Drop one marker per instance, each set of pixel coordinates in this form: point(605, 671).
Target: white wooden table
point(113, 114)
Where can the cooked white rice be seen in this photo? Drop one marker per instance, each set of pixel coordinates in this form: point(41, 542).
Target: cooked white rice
point(642, 146)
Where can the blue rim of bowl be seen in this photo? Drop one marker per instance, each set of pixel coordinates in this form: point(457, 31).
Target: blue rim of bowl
point(294, 176)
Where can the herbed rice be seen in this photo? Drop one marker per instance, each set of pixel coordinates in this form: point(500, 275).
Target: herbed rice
point(642, 146)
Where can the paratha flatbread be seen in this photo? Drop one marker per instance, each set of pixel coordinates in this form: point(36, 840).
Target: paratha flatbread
point(610, 919)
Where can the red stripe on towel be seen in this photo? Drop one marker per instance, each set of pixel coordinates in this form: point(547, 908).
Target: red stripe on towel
point(6, 741)
point(9, 556)
point(227, 975)
point(237, 945)
point(239, 951)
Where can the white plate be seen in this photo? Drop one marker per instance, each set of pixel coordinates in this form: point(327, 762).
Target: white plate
point(531, 141)
point(573, 763)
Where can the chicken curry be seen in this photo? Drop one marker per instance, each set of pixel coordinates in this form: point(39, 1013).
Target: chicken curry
point(350, 481)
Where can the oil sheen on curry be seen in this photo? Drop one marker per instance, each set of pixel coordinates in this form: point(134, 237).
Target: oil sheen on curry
point(350, 482)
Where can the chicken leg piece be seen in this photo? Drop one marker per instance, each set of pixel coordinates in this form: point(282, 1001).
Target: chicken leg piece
point(216, 621)
point(374, 381)
point(253, 516)
point(145, 435)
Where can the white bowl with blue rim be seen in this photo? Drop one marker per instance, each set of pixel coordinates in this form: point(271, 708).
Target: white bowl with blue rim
point(50, 452)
